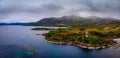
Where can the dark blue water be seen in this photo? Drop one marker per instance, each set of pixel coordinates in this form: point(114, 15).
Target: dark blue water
point(21, 42)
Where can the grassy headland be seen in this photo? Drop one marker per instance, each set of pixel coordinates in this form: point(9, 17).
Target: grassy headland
point(91, 33)
point(85, 37)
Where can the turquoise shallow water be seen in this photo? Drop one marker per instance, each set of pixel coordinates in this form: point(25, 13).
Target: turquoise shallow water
point(21, 42)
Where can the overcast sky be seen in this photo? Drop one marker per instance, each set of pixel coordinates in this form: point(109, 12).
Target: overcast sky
point(34, 10)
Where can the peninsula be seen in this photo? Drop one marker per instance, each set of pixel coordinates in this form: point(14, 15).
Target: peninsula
point(85, 37)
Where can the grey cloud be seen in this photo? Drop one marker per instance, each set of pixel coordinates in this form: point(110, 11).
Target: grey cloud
point(105, 7)
point(46, 8)
point(28, 11)
point(41, 9)
point(102, 5)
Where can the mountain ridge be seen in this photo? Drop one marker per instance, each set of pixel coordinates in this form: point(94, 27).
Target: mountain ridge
point(75, 21)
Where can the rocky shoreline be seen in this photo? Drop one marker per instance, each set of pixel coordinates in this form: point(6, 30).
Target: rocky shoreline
point(83, 45)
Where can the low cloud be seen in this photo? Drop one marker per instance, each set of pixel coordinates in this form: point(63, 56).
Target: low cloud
point(34, 10)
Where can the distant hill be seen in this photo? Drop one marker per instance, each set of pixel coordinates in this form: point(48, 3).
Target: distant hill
point(75, 21)
point(72, 20)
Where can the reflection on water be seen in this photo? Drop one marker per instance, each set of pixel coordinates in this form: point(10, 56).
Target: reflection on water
point(21, 42)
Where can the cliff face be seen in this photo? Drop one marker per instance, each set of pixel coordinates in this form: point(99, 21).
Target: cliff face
point(76, 21)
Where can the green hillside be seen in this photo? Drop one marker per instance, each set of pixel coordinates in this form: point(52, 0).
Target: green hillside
point(75, 21)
